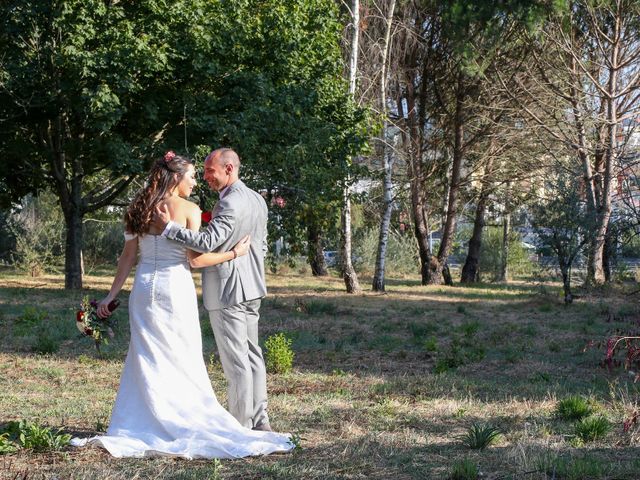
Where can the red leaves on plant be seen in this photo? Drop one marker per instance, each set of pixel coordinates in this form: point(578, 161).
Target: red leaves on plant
point(629, 422)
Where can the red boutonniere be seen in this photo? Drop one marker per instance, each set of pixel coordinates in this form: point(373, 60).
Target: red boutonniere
point(206, 217)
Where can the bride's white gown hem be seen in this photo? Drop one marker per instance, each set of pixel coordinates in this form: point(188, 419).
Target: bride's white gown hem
point(165, 404)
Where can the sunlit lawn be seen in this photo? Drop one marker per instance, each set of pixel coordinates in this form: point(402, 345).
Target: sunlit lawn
point(383, 386)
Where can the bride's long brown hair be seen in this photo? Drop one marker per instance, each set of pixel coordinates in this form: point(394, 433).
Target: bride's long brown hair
point(164, 176)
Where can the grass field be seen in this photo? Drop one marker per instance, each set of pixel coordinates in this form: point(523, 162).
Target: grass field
point(383, 386)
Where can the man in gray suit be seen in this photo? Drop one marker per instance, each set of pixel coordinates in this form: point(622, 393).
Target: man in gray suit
point(231, 291)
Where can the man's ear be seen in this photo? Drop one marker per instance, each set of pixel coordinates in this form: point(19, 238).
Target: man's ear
point(228, 168)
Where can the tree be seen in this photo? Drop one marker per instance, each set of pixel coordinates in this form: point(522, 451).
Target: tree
point(563, 223)
point(98, 89)
point(348, 272)
point(583, 81)
point(82, 101)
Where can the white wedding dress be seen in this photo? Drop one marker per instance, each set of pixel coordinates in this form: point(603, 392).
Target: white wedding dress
point(165, 404)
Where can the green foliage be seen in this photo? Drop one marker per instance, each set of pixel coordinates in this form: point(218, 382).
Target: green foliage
point(464, 470)
point(480, 436)
point(462, 350)
point(279, 357)
point(111, 84)
point(592, 428)
point(6, 445)
point(574, 408)
point(31, 319)
point(491, 254)
point(39, 240)
point(572, 468)
point(36, 437)
point(402, 251)
point(316, 307)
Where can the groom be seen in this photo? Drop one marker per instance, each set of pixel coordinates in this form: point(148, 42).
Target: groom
point(232, 290)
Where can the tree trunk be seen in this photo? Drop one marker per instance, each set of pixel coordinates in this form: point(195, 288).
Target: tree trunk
point(566, 282)
point(387, 160)
point(73, 250)
point(348, 272)
point(378, 276)
point(449, 230)
point(503, 274)
point(596, 273)
point(315, 252)
point(471, 268)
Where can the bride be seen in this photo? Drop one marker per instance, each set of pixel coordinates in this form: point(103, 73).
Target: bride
point(165, 404)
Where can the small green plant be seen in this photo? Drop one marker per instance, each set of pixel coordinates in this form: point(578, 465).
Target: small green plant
point(480, 436)
point(45, 343)
point(464, 470)
point(316, 307)
point(431, 344)
point(279, 353)
point(6, 445)
point(296, 441)
point(36, 437)
point(574, 408)
point(461, 309)
point(30, 320)
point(592, 428)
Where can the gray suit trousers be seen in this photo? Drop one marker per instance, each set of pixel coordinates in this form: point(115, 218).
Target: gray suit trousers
point(236, 332)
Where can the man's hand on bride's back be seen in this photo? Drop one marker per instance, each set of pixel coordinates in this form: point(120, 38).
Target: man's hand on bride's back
point(161, 217)
point(242, 247)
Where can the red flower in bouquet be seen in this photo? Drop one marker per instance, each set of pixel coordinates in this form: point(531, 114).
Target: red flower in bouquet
point(91, 325)
point(206, 217)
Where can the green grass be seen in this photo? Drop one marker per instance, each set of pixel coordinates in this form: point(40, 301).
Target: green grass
point(363, 397)
point(574, 408)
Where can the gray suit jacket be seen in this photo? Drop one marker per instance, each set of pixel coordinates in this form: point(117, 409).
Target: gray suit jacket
point(240, 212)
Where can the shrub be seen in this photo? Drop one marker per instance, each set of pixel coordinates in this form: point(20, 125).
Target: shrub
point(592, 428)
point(464, 470)
point(574, 408)
point(39, 240)
point(402, 252)
point(30, 435)
point(279, 353)
point(6, 445)
point(31, 318)
point(480, 436)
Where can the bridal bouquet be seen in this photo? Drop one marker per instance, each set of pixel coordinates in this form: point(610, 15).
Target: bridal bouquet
point(91, 325)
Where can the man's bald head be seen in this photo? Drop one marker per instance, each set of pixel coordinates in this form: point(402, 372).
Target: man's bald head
point(225, 156)
point(221, 168)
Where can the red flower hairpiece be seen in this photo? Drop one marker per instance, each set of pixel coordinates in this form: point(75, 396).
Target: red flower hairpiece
point(170, 155)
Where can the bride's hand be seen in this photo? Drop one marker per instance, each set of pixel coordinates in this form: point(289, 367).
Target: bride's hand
point(242, 247)
point(103, 308)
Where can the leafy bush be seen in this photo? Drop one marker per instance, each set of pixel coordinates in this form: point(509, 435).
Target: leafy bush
point(592, 428)
point(464, 470)
point(39, 243)
point(36, 437)
point(6, 445)
point(491, 252)
point(480, 436)
point(279, 353)
point(401, 257)
point(29, 321)
point(574, 408)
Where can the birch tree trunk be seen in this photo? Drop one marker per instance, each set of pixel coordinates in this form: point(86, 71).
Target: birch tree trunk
point(348, 272)
point(388, 160)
